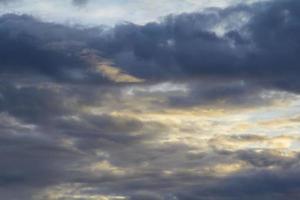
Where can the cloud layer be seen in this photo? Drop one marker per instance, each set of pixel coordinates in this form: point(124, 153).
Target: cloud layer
point(98, 12)
point(200, 105)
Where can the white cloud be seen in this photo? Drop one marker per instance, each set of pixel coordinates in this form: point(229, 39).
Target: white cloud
point(110, 12)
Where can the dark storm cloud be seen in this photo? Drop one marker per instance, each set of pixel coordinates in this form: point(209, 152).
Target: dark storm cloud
point(30, 161)
point(259, 183)
point(262, 185)
point(264, 49)
point(46, 161)
point(32, 104)
point(48, 136)
point(96, 129)
point(36, 120)
point(31, 47)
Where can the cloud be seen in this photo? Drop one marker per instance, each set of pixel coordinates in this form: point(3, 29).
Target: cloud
point(48, 50)
point(81, 146)
point(7, 1)
point(186, 46)
point(98, 12)
point(180, 47)
point(22, 146)
point(195, 106)
point(80, 2)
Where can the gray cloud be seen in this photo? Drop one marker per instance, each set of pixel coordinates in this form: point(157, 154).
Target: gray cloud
point(7, 1)
point(44, 49)
point(179, 47)
point(185, 46)
point(56, 130)
point(80, 2)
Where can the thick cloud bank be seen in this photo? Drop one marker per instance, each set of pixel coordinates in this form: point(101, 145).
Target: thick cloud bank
point(255, 43)
point(201, 105)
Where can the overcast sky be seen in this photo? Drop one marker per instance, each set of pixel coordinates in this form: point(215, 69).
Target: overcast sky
point(149, 100)
point(99, 12)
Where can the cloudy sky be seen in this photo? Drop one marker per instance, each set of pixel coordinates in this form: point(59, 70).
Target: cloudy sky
point(149, 99)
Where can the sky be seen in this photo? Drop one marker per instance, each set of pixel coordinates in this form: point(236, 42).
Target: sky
point(149, 100)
